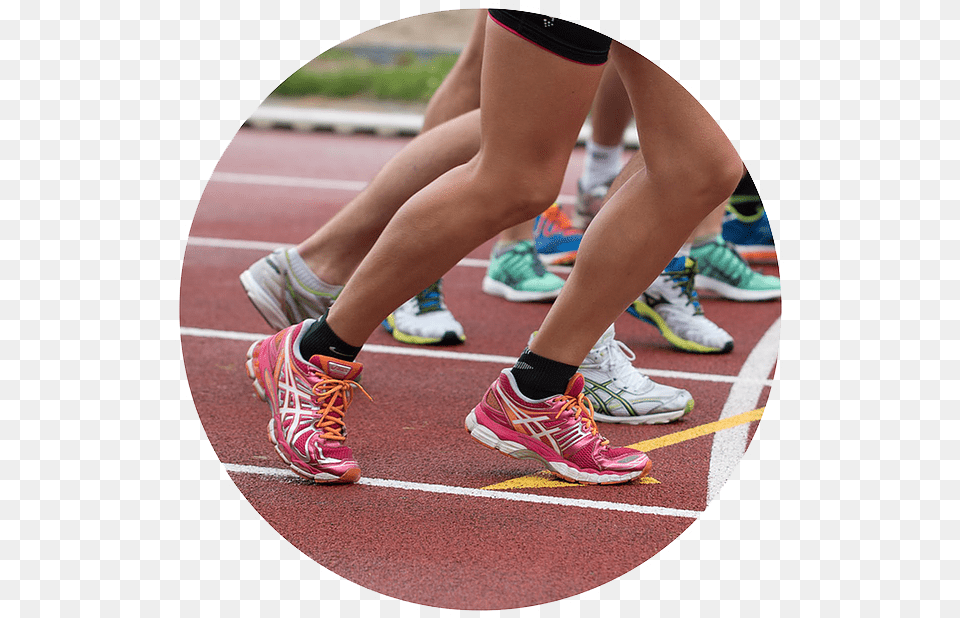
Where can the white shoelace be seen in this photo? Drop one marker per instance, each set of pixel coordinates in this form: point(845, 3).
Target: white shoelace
point(617, 360)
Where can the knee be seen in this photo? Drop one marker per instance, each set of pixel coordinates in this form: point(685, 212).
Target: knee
point(704, 181)
point(521, 193)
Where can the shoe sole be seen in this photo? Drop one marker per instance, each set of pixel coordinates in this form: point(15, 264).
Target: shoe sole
point(263, 302)
point(350, 476)
point(732, 292)
point(757, 254)
point(558, 259)
point(658, 418)
point(449, 337)
point(491, 440)
point(497, 288)
point(641, 311)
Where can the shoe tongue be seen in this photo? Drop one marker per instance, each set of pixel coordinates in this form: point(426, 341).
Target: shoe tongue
point(607, 336)
point(337, 369)
point(574, 386)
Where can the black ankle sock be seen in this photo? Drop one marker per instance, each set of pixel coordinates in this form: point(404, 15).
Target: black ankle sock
point(538, 377)
point(320, 339)
point(746, 198)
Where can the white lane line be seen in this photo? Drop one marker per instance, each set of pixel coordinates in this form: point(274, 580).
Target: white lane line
point(310, 183)
point(756, 382)
point(485, 493)
point(288, 181)
point(729, 445)
point(261, 245)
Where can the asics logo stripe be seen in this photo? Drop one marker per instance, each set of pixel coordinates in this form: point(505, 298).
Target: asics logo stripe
point(559, 438)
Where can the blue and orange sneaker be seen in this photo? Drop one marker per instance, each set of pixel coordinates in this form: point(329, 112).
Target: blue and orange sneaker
point(750, 235)
point(559, 432)
point(557, 241)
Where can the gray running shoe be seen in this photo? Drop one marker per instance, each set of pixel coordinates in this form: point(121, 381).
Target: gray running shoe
point(281, 298)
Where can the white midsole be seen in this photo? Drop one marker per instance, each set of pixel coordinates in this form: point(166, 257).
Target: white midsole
point(496, 288)
point(732, 292)
point(514, 449)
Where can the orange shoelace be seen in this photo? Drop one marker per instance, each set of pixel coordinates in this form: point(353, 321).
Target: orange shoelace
point(331, 415)
point(583, 410)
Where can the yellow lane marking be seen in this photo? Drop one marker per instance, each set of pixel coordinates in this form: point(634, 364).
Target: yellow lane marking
point(700, 430)
point(545, 479)
point(539, 480)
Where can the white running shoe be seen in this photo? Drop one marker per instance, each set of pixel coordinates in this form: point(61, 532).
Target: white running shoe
point(425, 320)
point(282, 298)
point(621, 394)
point(671, 304)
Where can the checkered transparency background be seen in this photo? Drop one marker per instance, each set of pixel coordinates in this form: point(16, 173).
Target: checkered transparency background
point(112, 122)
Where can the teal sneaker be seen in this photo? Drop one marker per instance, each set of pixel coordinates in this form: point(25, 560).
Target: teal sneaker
point(518, 275)
point(725, 273)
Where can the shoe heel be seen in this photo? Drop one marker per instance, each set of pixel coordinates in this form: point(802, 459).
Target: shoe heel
point(480, 433)
point(251, 366)
point(489, 439)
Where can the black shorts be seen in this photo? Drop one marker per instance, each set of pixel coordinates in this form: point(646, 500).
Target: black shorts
point(566, 39)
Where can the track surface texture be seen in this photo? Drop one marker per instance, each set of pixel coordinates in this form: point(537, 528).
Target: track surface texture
point(437, 519)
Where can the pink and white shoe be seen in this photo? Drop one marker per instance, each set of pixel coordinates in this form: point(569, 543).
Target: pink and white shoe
point(558, 431)
point(308, 400)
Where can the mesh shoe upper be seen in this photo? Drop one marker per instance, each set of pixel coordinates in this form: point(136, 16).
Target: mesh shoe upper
point(751, 235)
point(282, 298)
point(518, 275)
point(589, 202)
point(558, 431)
point(620, 393)
point(425, 319)
point(308, 400)
point(557, 241)
point(723, 271)
point(671, 304)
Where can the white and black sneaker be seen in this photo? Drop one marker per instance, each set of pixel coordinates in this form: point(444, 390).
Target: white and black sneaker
point(425, 320)
point(671, 304)
point(621, 394)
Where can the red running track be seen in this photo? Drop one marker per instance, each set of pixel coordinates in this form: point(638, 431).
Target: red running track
point(420, 526)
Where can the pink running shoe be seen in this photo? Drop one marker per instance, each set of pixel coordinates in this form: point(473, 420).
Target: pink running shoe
point(308, 400)
point(559, 432)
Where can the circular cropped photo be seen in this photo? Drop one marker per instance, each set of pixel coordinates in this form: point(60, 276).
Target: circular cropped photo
point(480, 309)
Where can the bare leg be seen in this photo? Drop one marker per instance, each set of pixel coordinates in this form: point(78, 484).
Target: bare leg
point(515, 176)
point(690, 168)
point(334, 251)
point(459, 92)
point(611, 111)
point(708, 229)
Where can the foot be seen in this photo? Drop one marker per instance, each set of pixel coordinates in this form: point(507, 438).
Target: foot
point(589, 202)
point(671, 304)
point(282, 298)
point(621, 394)
point(557, 241)
point(723, 272)
point(750, 235)
point(558, 431)
point(308, 401)
point(518, 276)
point(425, 320)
